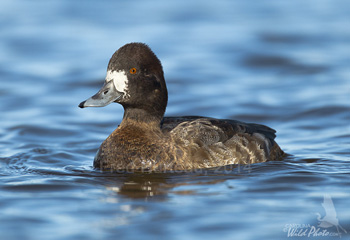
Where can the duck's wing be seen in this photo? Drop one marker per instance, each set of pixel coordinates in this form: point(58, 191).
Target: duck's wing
point(228, 126)
point(237, 139)
point(169, 123)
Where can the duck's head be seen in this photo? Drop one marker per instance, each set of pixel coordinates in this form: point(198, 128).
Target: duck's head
point(134, 79)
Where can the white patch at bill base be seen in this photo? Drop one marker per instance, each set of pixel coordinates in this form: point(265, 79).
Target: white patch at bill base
point(120, 80)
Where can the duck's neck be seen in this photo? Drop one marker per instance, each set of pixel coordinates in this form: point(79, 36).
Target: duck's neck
point(140, 116)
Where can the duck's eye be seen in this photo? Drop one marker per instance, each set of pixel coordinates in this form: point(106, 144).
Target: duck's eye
point(133, 70)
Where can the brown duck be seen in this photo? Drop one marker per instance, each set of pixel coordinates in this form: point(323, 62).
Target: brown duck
point(146, 140)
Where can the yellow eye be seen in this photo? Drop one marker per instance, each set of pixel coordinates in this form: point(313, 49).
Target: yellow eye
point(133, 70)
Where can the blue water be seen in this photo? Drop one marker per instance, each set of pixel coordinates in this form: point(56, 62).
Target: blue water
point(280, 63)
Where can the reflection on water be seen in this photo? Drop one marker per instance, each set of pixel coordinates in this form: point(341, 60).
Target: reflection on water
point(160, 185)
point(283, 64)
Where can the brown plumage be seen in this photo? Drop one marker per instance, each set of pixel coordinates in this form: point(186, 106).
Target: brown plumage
point(145, 140)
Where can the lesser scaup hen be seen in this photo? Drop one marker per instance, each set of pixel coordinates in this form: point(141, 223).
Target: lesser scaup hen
point(145, 140)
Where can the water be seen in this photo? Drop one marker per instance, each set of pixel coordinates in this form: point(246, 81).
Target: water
point(283, 64)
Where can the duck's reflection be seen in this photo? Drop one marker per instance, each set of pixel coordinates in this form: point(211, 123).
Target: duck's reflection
point(141, 186)
point(160, 185)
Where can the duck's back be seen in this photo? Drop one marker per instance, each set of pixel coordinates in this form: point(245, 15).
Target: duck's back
point(217, 142)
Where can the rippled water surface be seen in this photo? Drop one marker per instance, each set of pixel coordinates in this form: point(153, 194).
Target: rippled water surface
point(280, 63)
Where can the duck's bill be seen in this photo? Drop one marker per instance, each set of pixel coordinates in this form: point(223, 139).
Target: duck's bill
point(105, 96)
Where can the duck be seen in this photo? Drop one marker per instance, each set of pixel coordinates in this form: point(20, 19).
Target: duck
point(145, 140)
